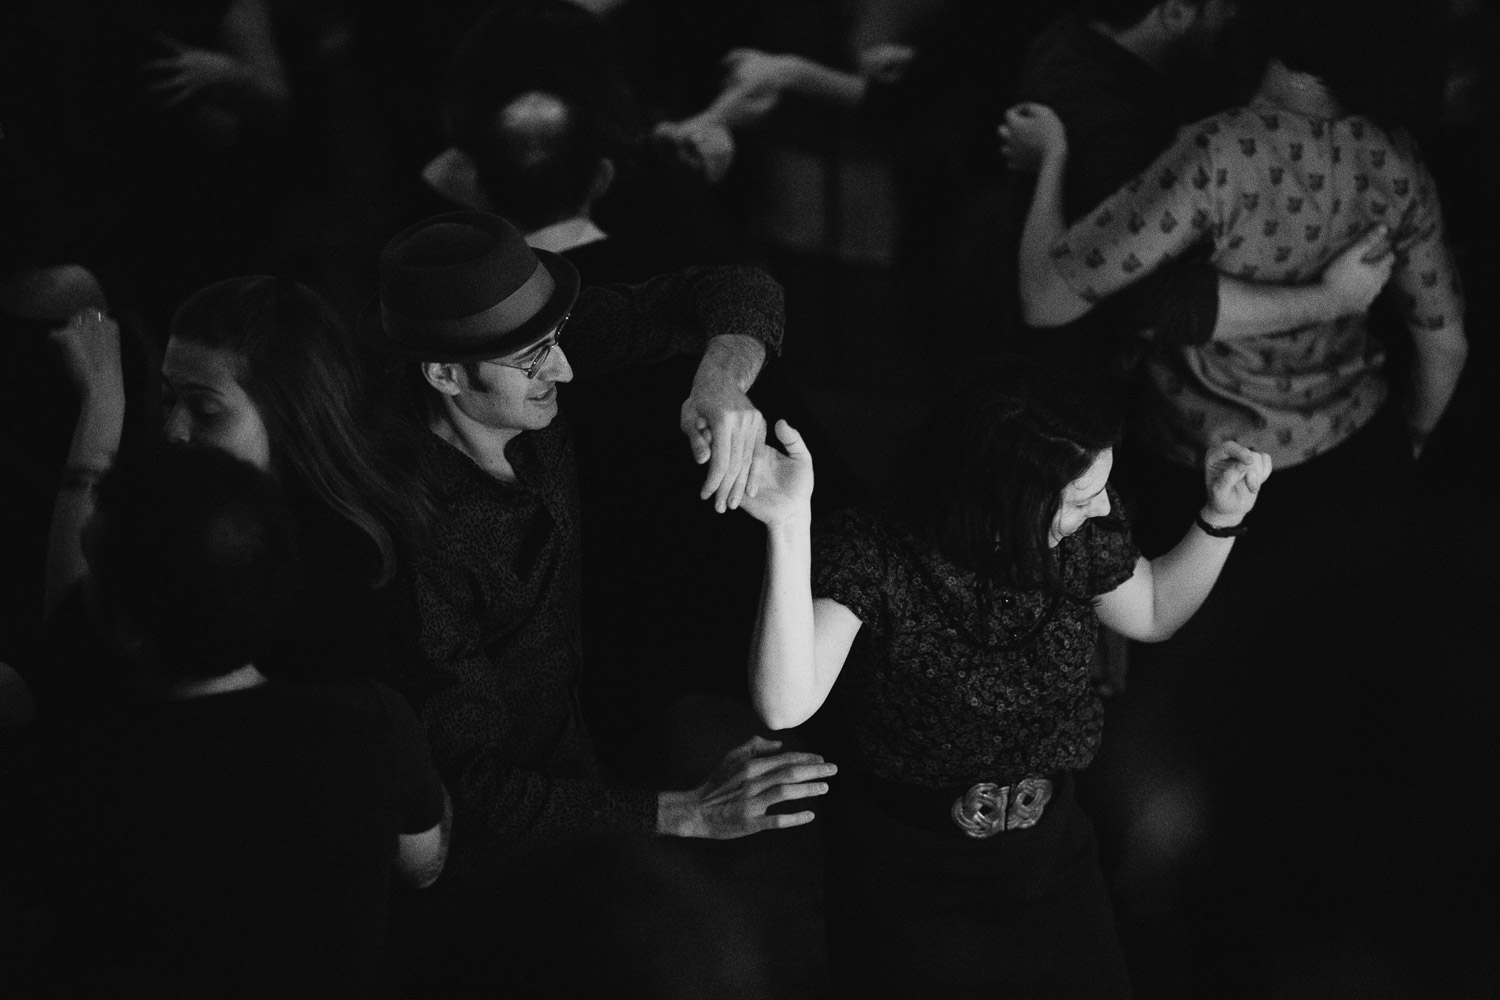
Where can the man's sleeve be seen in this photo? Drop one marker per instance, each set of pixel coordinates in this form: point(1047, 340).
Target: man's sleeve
point(470, 723)
point(617, 325)
point(1180, 301)
point(418, 787)
point(1157, 216)
point(1111, 142)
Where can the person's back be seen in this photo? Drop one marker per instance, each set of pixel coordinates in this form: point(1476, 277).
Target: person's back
point(1113, 72)
point(210, 831)
point(245, 841)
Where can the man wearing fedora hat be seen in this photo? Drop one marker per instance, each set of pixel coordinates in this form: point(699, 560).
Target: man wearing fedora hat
point(485, 330)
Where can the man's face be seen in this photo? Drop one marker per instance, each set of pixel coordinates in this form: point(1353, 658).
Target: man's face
point(501, 397)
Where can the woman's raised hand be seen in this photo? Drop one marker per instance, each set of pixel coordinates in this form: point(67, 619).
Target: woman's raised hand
point(780, 490)
point(1032, 134)
point(1233, 475)
point(88, 346)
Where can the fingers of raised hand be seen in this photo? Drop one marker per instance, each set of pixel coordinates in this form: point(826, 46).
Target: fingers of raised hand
point(1237, 452)
point(733, 437)
point(746, 442)
point(764, 764)
point(86, 329)
point(1260, 471)
point(799, 781)
point(791, 440)
point(1375, 244)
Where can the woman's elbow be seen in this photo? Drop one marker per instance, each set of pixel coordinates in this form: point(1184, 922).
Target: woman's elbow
point(1157, 633)
point(1051, 306)
point(778, 717)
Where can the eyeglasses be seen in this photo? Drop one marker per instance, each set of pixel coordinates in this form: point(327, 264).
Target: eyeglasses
point(538, 357)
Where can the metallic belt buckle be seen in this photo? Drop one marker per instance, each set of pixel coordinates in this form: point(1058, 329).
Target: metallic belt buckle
point(987, 808)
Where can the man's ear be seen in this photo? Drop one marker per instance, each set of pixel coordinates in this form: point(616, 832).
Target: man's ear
point(444, 376)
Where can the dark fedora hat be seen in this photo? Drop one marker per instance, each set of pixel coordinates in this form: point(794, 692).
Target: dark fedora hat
point(465, 287)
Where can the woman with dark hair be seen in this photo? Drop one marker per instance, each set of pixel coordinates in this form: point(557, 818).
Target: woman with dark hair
point(261, 368)
point(963, 620)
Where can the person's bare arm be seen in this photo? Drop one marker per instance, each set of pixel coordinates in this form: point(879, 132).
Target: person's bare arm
point(420, 856)
point(1165, 592)
point(1347, 287)
point(89, 344)
point(1437, 363)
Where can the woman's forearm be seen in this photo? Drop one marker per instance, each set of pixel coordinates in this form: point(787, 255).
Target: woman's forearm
point(1046, 299)
point(783, 670)
point(1183, 577)
point(1437, 363)
point(96, 438)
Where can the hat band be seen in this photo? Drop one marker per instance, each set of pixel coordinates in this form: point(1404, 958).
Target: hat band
point(509, 314)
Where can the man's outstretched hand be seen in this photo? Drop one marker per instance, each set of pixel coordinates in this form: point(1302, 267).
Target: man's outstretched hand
point(733, 802)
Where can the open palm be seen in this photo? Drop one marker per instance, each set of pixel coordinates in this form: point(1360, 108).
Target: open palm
point(781, 490)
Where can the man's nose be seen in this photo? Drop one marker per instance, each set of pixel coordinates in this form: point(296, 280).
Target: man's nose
point(556, 367)
point(176, 427)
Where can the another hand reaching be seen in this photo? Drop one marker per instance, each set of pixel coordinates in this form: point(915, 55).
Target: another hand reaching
point(1031, 135)
point(89, 347)
point(1360, 271)
point(733, 802)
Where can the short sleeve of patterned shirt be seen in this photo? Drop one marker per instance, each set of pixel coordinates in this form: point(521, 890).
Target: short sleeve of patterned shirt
point(1278, 195)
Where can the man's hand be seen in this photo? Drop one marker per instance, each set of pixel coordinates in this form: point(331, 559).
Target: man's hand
point(781, 490)
point(88, 345)
point(733, 801)
point(1359, 272)
point(722, 426)
point(704, 144)
point(886, 63)
point(189, 72)
point(1031, 135)
point(1233, 475)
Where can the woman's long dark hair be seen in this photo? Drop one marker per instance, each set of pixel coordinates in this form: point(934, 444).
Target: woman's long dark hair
point(988, 473)
point(297, 367)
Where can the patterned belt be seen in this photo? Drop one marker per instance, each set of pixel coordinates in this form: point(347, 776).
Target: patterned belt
point(987, 808)
point(980, 812)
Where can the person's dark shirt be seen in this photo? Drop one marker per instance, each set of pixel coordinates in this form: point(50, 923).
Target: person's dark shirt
point(950, 681)
point(1119, 113)
point(239, 844)
point(499, 591)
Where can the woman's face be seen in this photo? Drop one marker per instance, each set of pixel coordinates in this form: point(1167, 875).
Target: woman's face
point(206, 405)
point(1082, 499)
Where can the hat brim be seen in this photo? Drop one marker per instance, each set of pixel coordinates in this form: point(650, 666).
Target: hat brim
point(564, 293)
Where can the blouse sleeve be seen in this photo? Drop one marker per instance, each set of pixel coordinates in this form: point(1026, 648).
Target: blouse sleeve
point(1108, 550)
point(850, 565)
point(1157, 216)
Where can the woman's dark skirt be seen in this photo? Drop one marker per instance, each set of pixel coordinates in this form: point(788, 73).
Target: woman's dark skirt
point(918, 911)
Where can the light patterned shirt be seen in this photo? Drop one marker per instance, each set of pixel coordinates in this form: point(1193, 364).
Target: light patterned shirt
point(1278, 195)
